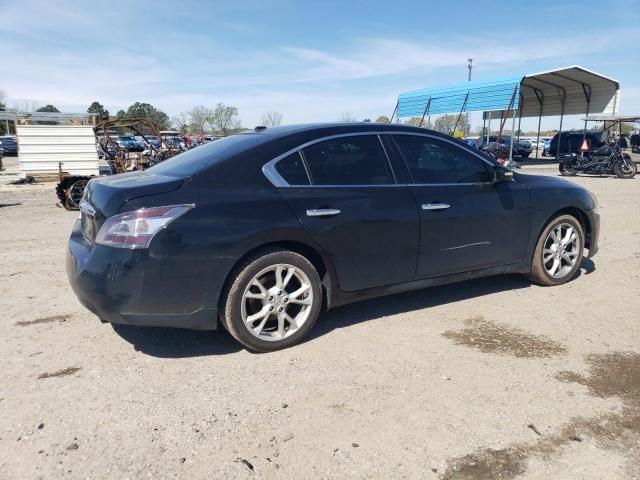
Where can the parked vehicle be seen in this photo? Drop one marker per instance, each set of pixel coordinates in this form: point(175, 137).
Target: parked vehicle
point(607, 160)
point(130, 144)
point(522, 148)
point(263, 230)
point(546, 149)
point(9, 145)
point(571, 141)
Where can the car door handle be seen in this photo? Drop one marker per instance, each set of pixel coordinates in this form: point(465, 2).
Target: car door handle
point(322, 212)
point(435, 206)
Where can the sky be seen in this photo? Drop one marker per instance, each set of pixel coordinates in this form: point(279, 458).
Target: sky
point(311, 61)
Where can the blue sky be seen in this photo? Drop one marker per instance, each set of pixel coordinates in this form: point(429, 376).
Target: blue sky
point(311, 61)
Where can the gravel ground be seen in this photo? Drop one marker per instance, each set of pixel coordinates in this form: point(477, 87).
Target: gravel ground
point(488, 379)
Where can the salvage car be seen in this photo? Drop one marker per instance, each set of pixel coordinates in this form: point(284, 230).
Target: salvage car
point(259, 232)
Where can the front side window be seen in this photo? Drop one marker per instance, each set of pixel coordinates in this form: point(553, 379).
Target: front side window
point(357, 160)
point(434, 161)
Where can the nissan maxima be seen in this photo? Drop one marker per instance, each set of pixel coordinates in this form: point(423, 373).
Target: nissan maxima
point(261, 232)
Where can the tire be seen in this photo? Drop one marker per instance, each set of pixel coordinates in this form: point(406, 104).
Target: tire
point(525, 155)
point(628, 171)
point(567, 171)
point(270, 304)
point(569, 263)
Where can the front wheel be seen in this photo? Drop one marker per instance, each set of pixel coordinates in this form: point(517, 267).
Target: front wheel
point(558, 253)
point(625, 169)
point(274, 300)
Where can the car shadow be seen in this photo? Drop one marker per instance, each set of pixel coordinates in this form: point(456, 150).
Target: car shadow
point(179, 343)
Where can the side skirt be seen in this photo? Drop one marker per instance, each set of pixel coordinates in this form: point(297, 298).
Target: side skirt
point(336, 296)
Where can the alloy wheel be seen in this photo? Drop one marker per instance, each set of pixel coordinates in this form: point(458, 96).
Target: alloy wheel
point(560, 250)
point(277, 302)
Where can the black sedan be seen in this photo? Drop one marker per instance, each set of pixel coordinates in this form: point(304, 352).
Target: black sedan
point(265, 229)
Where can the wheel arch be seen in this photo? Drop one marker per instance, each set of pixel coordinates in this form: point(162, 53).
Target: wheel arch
point(575, 212)
point(318, 259)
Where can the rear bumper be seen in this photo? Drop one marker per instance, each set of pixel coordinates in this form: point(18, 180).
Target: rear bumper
point(594, 233)
point(130, 287)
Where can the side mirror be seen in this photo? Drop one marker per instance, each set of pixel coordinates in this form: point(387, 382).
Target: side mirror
point(502, 174)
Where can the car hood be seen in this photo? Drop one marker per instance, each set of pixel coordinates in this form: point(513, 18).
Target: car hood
point(544, 181)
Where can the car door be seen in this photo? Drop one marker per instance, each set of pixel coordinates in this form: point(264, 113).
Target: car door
point(343, 191)
point(467, 221)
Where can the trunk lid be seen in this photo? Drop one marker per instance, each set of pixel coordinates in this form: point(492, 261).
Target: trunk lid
point(105, 196)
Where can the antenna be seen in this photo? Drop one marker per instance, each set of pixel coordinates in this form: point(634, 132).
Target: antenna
point(470, 66)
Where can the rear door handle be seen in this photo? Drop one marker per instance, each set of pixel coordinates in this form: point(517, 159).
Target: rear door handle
point(322, 212)
point(435, 206)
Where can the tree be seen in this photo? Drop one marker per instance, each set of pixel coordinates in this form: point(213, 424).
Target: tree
point(271, 119)
point(48, 108)
point(225, 119)
point(415, 122)
point(199, 118)
point(383, 119)
point(121, 114)
point(145, 110)
point(181, 123)
point(99, 110)
point(446, 123)
point(347, 117)
point(366, 120)
point(3, 107)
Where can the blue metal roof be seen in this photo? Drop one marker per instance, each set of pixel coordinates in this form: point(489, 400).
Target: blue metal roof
point(483, 96)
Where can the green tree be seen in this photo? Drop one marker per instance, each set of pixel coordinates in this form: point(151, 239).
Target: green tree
point(225, 119)
point(366, 120)
point(145, 110)
point(99, 110)
point(121, 114)
point(446, 123)
point(49, 109)
point(383, 119)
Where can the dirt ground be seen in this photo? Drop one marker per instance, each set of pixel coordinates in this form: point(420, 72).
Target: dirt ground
point(488, 379)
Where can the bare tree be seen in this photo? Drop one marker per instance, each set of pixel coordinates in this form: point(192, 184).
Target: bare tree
point(225, 119)
point(347, 117)
point(446, 123)
point(200, 117)
point(271, 119)
point(3, 99)
point(181, 122)
point(414, 122)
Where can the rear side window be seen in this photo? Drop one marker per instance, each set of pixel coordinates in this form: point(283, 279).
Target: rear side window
point(357, 160)
point(433, 161)
point(292, 170)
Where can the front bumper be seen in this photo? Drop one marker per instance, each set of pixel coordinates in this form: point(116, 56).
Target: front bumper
point(131, 287)
point(594, 232)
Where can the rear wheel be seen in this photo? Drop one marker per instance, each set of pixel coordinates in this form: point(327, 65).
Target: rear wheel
point(626, 169)
point(558, 253)
point(567, 170)
point(273, 301)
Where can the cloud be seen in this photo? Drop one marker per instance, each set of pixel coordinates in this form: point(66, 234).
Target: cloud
point(70, 56)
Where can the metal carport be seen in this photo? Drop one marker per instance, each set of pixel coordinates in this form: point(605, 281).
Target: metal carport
point(565, 91)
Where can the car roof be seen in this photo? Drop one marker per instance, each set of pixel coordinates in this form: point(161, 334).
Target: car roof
point(338, 128)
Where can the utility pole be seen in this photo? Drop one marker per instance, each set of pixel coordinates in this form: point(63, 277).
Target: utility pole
point(470, 67)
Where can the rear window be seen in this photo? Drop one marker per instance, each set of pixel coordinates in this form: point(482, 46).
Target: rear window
point(199, 159)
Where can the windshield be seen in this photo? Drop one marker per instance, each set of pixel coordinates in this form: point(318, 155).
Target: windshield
point(201, 158)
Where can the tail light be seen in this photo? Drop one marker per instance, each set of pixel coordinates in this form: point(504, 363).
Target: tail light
point(136, 229)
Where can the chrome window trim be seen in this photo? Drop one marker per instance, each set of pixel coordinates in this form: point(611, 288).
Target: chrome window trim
point(269, 170)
